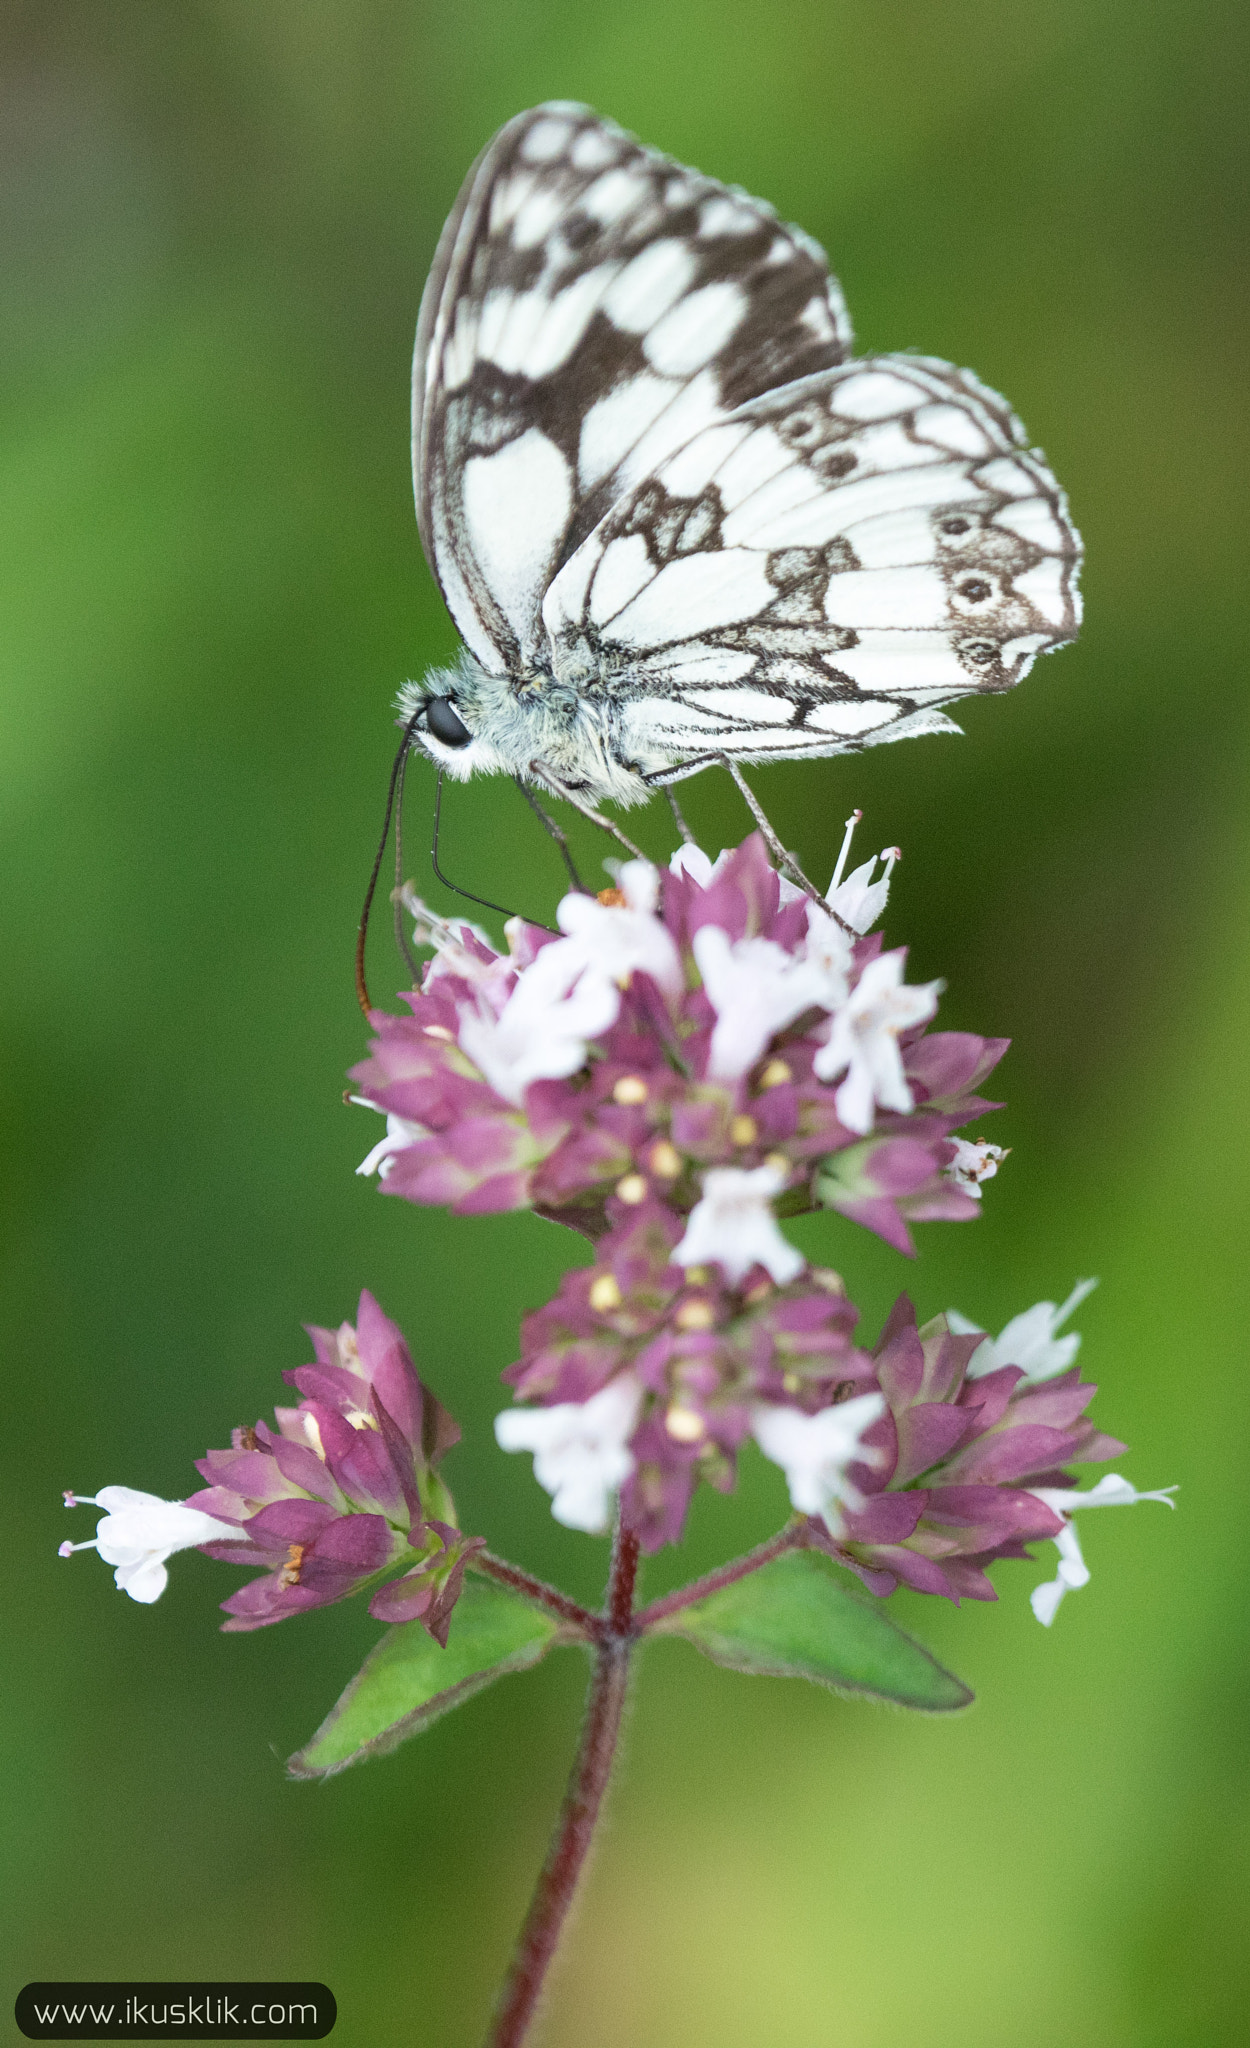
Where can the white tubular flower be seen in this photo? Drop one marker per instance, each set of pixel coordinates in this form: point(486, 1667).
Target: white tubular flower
point(492, 978)
point(400, 1133)
point(756, 988)
point(863, 1043)
point(827, 952)
point(621, 939)
point(579, 1449)
point(1111, 1492)
point(814, 1452)
point(974, 1161)
point(558, 1005)
point(533, 1017)
point(859, 901)
point(701, 868)
point(734, 1222)
point(1028, 1341)
point(139, 1531)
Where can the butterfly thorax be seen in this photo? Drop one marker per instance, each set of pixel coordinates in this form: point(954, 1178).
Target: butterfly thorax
point(564, 721)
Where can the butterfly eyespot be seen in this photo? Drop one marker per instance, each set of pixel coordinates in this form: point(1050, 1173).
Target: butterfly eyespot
point(980, 652)
point(952, 528)
point(805, 427)
point(974, 590)
point(832, 463)
point(445, 725)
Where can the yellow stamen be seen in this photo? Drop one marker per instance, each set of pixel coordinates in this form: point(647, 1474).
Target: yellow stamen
point(289, 1575)
point(775, 1074)
point(604, 1294)
point(743, 1130)
point(632, 1189)
point(630, 1089)
point(829, 1281)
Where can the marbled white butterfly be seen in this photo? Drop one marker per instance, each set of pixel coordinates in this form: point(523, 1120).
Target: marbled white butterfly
point(674, 521)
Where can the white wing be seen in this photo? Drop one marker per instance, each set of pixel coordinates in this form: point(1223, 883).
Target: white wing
point(821, 571)
point(592, 305)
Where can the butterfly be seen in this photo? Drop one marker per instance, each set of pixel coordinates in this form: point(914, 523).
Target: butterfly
point(675, 521)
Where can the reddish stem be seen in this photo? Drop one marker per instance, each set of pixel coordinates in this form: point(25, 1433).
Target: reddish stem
point(792, 1538)
point(619, 1606)
point(537, 1590)
point(582, 1799)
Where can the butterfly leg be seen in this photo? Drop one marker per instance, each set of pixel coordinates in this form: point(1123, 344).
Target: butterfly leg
point(396, 784)
point(780, 855)
point(687, 835)
point(401, 937)
point(446, 881)
point(549, 825)
point(540, 774)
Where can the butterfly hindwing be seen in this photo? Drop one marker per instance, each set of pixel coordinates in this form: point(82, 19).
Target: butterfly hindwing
point(821, 570)
point(592, 306)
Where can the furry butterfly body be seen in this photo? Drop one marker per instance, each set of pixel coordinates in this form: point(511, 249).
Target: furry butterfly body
point(674, 520)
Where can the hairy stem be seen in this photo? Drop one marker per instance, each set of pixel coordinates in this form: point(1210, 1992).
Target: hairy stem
point(791, 1538)
point(582, 1800)
point(537, 1590)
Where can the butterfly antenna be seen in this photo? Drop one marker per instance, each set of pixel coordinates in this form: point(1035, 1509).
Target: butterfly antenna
point(362, 987)
point(446, 882)
point(549, 825)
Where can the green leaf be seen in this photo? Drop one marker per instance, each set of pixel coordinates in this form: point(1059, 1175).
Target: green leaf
point(407, 1681)
point(794, 1618)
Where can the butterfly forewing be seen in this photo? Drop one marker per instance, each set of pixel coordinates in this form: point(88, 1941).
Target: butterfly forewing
point(821, 569)
point(670, 517)
point(592, 306)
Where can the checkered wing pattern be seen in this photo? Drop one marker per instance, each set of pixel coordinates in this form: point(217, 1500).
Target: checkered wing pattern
point(592, 306)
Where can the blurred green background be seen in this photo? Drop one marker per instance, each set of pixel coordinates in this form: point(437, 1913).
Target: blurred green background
point(217, 218)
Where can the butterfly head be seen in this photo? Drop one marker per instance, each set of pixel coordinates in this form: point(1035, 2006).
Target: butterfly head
point(470, 722)
point(453, 721)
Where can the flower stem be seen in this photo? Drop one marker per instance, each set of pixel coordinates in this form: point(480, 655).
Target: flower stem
point(537, 1590)
point(792, 1537)
point(583, 1796)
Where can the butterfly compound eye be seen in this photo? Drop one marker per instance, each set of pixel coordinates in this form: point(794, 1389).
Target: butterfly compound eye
point(445, 725)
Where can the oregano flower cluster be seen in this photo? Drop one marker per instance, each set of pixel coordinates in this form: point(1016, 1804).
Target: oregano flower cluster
point(692, 1058)
point(695, 1055)
point(712, 1017)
